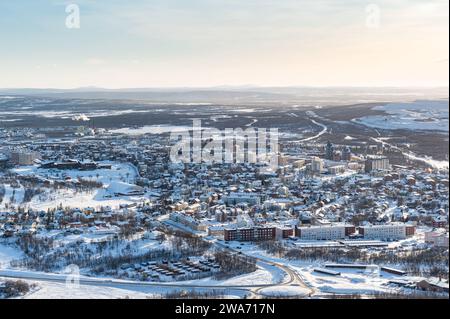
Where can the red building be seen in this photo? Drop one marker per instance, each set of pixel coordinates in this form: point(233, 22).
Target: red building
point(410, 230)
point(284, 232)
point(439, 222)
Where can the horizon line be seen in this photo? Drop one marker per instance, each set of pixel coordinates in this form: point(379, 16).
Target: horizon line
point(226, 86)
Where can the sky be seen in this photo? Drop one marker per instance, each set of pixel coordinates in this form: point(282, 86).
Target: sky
point(196, 43)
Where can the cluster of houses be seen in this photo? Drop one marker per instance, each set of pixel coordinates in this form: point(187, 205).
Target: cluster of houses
point(360, 197)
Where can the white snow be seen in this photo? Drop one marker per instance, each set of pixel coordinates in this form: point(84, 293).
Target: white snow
point(418, 115)
point(428, 160)
point(152, 129)
point(266, 274)
point(12, 195)
point(7, 254)
point(69, 198)
point(284, 291)
point(52, 290)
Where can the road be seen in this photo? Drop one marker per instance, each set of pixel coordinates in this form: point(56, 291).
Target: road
point(324, 130)
point(293, 278)
point(414, 157)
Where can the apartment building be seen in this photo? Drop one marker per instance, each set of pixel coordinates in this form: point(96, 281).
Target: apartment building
point(250, 233)
point(387, 232)
point(376, 163)
point(328, 232)
point(188, 221)
point(317, 165)
point(438, 239)
point(23, 157)
point(283, 232)
point(237, 198)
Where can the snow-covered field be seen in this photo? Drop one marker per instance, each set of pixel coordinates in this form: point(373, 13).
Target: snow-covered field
point(285, 292)
point(13, 196)
point(152, 129)
point(265, 274)
point(7, 254)
point(69, 198)
point(53, 290)
point(424, 159)
point(118, 171)
point(418, 115)
point(350, 281)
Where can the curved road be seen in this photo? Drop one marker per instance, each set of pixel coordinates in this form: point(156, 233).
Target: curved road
point(293, 278)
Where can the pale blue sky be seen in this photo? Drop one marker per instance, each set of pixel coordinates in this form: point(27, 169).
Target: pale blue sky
point(155, 43)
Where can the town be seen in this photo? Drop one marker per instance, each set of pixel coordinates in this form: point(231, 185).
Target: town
point(115, 205)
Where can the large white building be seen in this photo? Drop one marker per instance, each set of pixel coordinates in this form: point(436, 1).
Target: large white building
point(387, 232)
point(187, 220)
point(236, 198)
point(336, 169)
point(23, 157)
point(436, 238)
point(328, 232)
point(317, 165)
point(377, 163)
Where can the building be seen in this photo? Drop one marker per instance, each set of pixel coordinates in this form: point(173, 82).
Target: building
point(328, 232)
point(346, 154)
point(187, 220)
point(74, 165)
point(387, 232)
point(283, 232)
point(329, 151)
point(216, 231)
point(440, 222)
point(336, 169)
point(438, 239)
point(299, 163)
point(433, 284)
point(317, 165)
point(124, 189)
point(23, 157)
point(237, 198)
point(249, 234)
point(3, 161)
point(376, 163)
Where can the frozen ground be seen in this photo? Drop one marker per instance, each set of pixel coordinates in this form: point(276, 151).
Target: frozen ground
point(60, 286)
point(349, 282)
point(13, 196)
point(52, 290)
point(7, 254)
point(265, 274)
point(424, 159)
point(152, 129)
point(117, 172)
point(419, 115)
point(284, 292)
point(69, 198)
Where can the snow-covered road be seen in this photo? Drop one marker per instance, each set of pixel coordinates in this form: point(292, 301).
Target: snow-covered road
point(324, 130)
point(428, 160)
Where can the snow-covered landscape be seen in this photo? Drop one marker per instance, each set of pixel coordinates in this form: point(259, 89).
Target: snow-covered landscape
point(418, 115)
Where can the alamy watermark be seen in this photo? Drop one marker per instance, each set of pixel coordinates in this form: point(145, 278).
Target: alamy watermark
point(72, 276)
point(73, 16)
point(372, 271)
point(213, 146)
point(373, 16)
